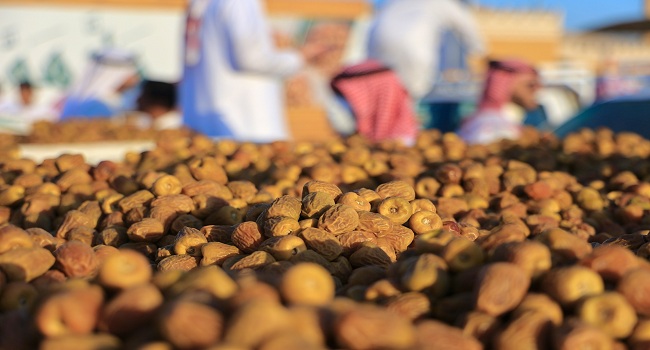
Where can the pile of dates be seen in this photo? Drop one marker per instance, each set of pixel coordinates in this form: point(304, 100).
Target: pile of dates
point(538, 243)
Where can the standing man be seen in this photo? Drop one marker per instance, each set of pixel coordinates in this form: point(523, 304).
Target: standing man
point(510, 91)
point(231, 86)
point(406, 36)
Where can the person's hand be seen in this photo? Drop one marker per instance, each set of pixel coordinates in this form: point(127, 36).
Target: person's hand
point(312, 51)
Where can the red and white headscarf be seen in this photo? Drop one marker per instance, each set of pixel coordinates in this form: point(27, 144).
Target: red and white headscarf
point(500, 82)
point(380, 104)
point(488, 123)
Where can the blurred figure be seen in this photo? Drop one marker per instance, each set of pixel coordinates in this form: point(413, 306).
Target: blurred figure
point(158, 101)
point(509, 92)
point(24, 106)
point(101, 90)
point(406, 36)
point(380, 107)
point(231, 86)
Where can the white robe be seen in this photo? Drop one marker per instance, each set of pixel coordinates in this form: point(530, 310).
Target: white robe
point(492, 125)
point(406, 36)
point(231, 86)
point(95, 94)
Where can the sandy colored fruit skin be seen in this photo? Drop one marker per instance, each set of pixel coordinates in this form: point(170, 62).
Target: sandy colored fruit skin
point(179, 202)
point(367, 327)
point(461, 254)
point(316, 203)
point(280, 226)
point(338, 219)
point(370, 254)
point(178, 262)
point(25, 264)
point(423, 204)
point(479, 325)
point(574, 334)
point(611, 262)
point(247, 236)
point(102, 252)
point(634, 286)
point(397, 209)
point(251, 289)
point(424, 221)
point(420, 272)
point(126, 269)
point(72, 219)
point(500, 288)
point(541, 303)
point(444, 337)
point(188, 324)
point(350, 241)
point(640, 337)
point(211, 279)
point(532, 256)
point(186, 220)
point(189, 241)
point(412, 305)
point(269, 318)
point(76, 259)
point(433, 241)
point(355, 201)
point(12, 195)
point(207, 168)
point(218, 233)
point(308, 321)
point(370, 196)
point(214, 253)
point(381, 291)
point(85, 341)
point(396, 188)
point(146, 230)
point(12, 237)
point(285, 206)
point(130, 310)
point(568, 284)
point(137, 199)
point(255, 261)
point(563, 244)
point(530, 330)
point(307, 284)
point(113, 236)
point(375, 223)
point(75, 311)
point(401, 238)
point(320, 186)
point(285, 247)
point(610, 312)
point(166, 185)
point(323, 242)
point(589, 199)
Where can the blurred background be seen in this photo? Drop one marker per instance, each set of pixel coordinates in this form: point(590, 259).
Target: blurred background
point(586, 51)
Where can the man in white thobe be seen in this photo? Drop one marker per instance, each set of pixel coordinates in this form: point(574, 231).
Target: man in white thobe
point(232, 83)
point(406, 36)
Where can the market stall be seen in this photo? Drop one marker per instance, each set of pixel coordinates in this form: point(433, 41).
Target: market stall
point(338, 24)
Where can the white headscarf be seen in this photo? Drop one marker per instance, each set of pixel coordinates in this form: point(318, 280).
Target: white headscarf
point(108, 70)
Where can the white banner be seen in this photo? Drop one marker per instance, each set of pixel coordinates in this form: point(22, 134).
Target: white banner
point(50, 46)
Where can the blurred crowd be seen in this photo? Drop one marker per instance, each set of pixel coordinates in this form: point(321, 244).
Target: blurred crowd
point(235, 66)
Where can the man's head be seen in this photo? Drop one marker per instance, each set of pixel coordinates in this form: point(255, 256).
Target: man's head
point(156, 98)
point(26, 93)
point(524, 89)
point(511, 81)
